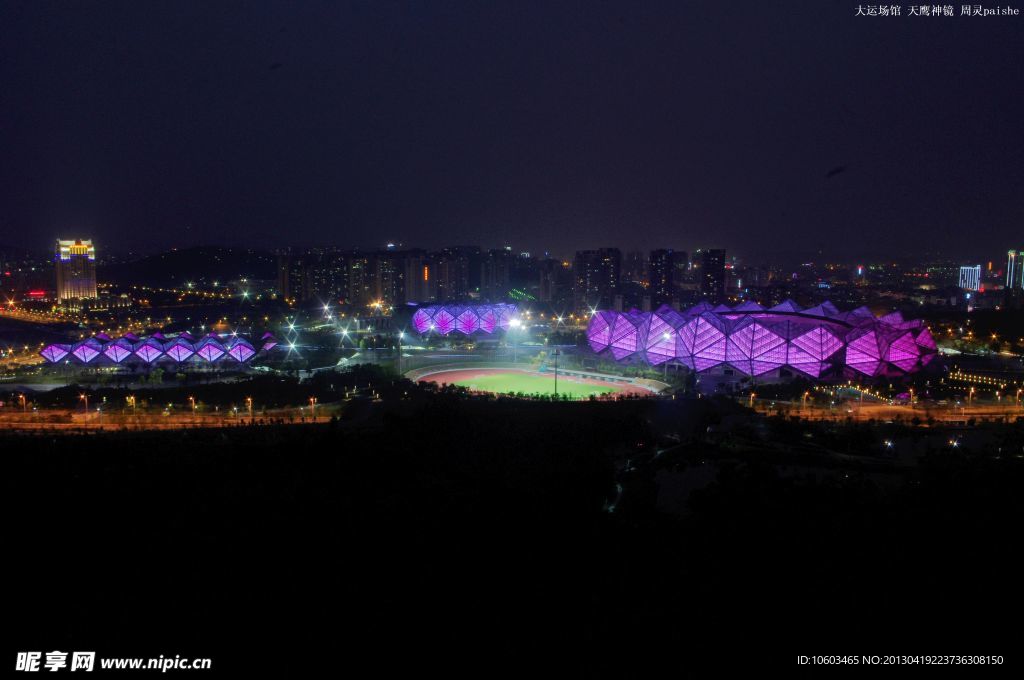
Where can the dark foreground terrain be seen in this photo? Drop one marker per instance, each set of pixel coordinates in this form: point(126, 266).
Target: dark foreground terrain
point(460, 536)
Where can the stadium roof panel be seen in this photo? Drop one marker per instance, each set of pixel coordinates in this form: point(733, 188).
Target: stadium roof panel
point(756, 341)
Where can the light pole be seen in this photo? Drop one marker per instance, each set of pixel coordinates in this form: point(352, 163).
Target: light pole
point(312, 408)
point(248, 404)
point(401, 334)
point(24, 403)
point(192, 400)
point(514, 325)
point(555, 355)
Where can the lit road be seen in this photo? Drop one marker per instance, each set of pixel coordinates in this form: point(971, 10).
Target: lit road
point(13, 418)
point(883, 412)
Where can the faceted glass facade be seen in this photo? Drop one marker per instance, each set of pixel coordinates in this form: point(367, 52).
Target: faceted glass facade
point(445, 319)
point(756, 341)
point(102, 350)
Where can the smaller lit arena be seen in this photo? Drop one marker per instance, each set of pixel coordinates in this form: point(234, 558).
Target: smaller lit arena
point(181, 349)
point(528, 382)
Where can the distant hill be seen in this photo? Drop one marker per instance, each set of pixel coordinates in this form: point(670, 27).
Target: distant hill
point(201, 265)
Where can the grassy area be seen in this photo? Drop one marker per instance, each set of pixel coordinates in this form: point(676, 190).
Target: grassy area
point(527, 383)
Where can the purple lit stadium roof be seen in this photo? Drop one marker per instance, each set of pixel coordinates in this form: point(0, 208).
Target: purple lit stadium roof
point(444, 319)
point(756, 341)
point(101, 349)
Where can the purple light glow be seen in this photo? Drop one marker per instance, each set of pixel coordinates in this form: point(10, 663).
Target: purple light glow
point(149, 350)
point(54, 353)
point(179, 349)
point(87, 350)
point(129, 349)
point(445, 319)
point(421, 321)
point(756, 341)
point(240, 350)
point(118, 350)
point(210, 349)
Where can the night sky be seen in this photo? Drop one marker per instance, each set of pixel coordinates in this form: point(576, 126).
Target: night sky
point(758, 126)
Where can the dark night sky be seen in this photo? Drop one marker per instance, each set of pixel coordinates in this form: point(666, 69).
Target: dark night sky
point(544, 125)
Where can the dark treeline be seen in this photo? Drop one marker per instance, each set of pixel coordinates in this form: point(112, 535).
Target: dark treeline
point(452, 529)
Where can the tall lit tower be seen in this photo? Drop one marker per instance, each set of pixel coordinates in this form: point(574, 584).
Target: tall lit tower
point(713, 275)
point(1015, 269)
point(76, 269)
point(970, 277)
point(662, 270)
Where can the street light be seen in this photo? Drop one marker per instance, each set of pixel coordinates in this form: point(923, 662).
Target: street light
point(248, 404)
point(192, 400)
point(24, 402)
point(513, 325)
point(555, 355)
point(401, 334)
point(312, 407)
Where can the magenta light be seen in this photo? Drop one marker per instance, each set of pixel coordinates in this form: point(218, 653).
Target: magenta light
point(925, 341)
point(240, 350)
point(756, 341)
point(54, 353)
point(625, 336)
point(118, 351)
point(444, 322)
point(210, 351)
point(421, 321)
point(179, 350)
point(863, 355)
point(87, 350)
point(149, 350)
point(903, 352)
point(445, 319)
point(488, 320)
point(599, 332)
point(467, 322)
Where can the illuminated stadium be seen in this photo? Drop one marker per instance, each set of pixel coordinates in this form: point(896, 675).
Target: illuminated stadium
point(102, 350)
point(465, 319)
point(818, 342)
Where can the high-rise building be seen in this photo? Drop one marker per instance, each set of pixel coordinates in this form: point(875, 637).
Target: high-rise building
point(970, 277)
point(76, 269)
point(361, 280)
point(634, 267)
point(496, 274)
point(456, 272)
point(712, 271)
point(416, 277)
point(664, 268)
point(596, 274)
point(1015, 269)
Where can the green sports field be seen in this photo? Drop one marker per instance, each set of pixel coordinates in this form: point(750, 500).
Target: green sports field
point(506, 381)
